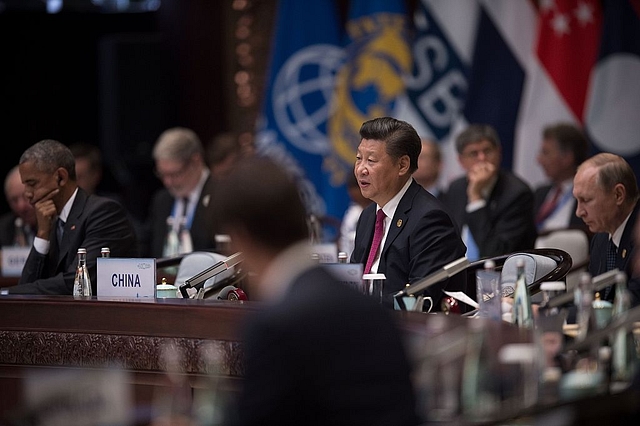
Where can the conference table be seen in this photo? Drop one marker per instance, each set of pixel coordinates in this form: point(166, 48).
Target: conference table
point(63, 333)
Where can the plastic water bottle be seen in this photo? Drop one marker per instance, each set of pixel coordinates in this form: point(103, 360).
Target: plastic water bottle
point(172, 242)
point(19, 236)
point(522, 312)
point(185, 242)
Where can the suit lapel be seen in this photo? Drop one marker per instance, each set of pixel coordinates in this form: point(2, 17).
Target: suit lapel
point(204, 200)
point(627, 241)
point(71, 225)
point(400, 217)
point(368, 228)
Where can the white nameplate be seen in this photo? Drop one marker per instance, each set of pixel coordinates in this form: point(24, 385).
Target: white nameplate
point(128, 277)
point(349, 274)
point(327, 252)
point(13, 260)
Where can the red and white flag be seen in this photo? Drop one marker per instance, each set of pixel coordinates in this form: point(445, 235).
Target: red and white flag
point(568, 41)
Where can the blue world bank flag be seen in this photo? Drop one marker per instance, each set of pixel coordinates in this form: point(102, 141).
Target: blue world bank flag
point(292, 129)
point(372, 80)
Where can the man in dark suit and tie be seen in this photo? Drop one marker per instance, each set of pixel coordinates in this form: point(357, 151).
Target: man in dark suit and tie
point(185, 200)
point(606, 190)
point(564, 147)
point(492, 206)
point(68, 218)
point(417, 236)
point(316, 352)
point(22, 215)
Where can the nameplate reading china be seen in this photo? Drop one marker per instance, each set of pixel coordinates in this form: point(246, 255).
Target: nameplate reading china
point(13, 260)
point(126, 277)
point(347, 273)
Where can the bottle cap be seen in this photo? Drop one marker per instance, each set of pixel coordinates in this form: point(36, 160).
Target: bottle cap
point(82, 251)
point(553, 286)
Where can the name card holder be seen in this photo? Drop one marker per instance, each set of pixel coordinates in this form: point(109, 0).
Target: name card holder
point(126, 277)
point(13, 260)
point(349, 274)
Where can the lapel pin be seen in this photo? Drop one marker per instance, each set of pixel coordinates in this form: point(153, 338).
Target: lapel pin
point(205, 200)
point(399, 223)
point(73, 227)
point(624, 253)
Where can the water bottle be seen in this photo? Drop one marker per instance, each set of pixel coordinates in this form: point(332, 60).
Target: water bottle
point(82, 281)
point(583, 299)
point(185, 242)
point(623, 362)
point(19, 237)
point(522, 312)
point(172, 241)
point(105, 252)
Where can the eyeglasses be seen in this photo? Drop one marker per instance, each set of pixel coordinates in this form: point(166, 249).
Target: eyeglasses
point(473, 154)
point(174, 174)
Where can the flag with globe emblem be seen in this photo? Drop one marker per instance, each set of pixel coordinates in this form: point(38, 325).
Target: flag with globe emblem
point(370, 82)
point(292, 129)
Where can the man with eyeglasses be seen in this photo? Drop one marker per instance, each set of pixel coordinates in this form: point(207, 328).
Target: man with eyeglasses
point(492, 206)
point(184, 204)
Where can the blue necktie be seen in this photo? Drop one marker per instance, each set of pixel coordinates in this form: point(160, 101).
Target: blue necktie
point(612, 254)
point(473, 252)
point(60, 231)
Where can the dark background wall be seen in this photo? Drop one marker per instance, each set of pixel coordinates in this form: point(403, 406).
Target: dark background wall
point(115, 80)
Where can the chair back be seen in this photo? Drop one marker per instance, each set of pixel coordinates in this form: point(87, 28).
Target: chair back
point(196, 262)
point(536, 266)
point(541, 264)
point(573, 241)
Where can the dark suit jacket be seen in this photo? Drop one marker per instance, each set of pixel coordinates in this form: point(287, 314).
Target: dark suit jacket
point(624, 261)
point(94, 222)
point(539, 196)
point(505, 224)
point(422, 238)
point(7, 229)
point(324, 355)
point(202, 226)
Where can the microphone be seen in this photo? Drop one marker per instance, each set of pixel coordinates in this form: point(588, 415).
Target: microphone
point(198, 280)
point(447, 271)
point(600, 282)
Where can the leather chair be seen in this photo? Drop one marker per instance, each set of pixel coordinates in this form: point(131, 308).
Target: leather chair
point(186, 266)
point(541, 264)
point(575, 242)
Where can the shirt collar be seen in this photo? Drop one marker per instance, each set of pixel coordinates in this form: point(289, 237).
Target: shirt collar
point(389, 209)
point(617, 236)
point(64, 213)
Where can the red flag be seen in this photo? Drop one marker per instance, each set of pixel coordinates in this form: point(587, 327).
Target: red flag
point(568, 41)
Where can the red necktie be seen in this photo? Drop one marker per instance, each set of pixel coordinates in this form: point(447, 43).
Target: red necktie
point(548, 206)
point(377, 238)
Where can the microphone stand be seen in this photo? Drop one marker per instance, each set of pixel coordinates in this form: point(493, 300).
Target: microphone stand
point(441, 274)
point(600, 282)
point(198, 280)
